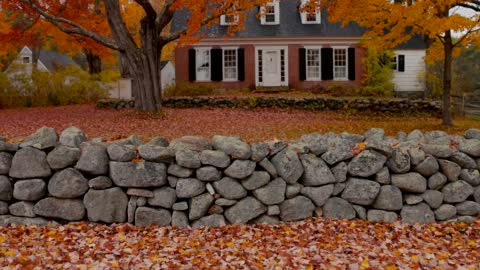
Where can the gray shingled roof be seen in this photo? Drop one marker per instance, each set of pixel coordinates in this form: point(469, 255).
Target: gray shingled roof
point(54, 60)
point(290, 26)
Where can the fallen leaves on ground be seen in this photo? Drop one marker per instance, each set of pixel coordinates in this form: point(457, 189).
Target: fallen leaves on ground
point(310, 244)
point(251, 125)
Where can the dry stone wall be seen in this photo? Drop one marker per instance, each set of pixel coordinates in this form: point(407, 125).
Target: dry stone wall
point(192, 181)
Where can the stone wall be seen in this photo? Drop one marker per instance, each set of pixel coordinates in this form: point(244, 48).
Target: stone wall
point(312, 103)
point(419, 177)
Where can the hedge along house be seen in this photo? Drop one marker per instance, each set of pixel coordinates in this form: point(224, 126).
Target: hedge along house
point(284, 47)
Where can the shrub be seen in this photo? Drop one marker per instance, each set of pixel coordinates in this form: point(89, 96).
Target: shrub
point(378, 74)
point(68, 86)
point(192, 89)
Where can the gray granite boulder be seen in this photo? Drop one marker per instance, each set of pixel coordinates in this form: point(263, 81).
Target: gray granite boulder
point(29, 163)
point(360, 191)
point(215, 158)
point(437, 181)
point(180, 219)
point(188, 159)
point(416, 156)
point(427, 167)
point(67, 184)
point(389, 198)
point(256, 180)
point(108, 205)
point(470, 147)
point(399, 162)
point(199, 206)
point(272, 193)
point(366, 164)
point(265, 219)
point(468, 208)
point(360, 211)
point(340, 171)
point(3, 208)
point(192, 143)
point(189, 187)
point(293, 190)
point(232, 146)
point(450, 169)
point(210, 221)
point(445, 212)
point(245, 210)
point(268, 166)
point(316, 143)
point(29, 190)
point(433, 198)
point(383, 176)
point(338, 208)
point(470, 176)
point(156, 153)
point(297, 208)
point(100, 182)
point(22, 209)
point(288, 166)
point(119, 152)
point(319, 195)
point(5, 162)
point(146, 216)
point(316, 172)
point(38, 221)
point(259, 151)
point(73, 137)
point(159, 141)
point(457, 192)
point(164, 197)
point(63, 156)
point(472, 133)
point(410, 182)
point(142, 174)
point(43, 138)
point(230, 189)
point(67, 209)
point(179, 171)
point(338, 150)
point(412, 199)
point(93, 160)
point(208, 174)
point(381, 216)
point(438, 150)
point(420, 213)
point(6, 190)
point(464, 160)
point(240, 169)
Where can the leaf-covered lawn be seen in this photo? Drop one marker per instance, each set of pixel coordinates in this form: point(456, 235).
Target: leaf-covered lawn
point(252, 125)
point(311, 244)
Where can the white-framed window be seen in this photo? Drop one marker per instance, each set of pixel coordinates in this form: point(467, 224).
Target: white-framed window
point(340, 62)
point(312, 62)
point(394, 63)
point(229, 19)
point(203, 66)
point(309, 17)
point(26, 60)
point(230, 64)
point(270, 13)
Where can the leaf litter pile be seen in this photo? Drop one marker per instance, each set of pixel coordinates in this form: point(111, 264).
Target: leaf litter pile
point(251, 125)
point(310, 244)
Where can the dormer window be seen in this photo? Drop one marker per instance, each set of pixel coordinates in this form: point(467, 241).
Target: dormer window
point(229, 19)
point(26, 60)
point(270, 13)
point(307, 16)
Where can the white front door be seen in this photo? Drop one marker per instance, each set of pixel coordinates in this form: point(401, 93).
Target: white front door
point(271, 68)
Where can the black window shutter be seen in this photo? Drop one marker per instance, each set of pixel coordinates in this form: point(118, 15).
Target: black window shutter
point(351, 64)
point(327, 64)
point(302, 64)
point(217, 65)
point(192, 69)
point(241, 64)
point(401, 63)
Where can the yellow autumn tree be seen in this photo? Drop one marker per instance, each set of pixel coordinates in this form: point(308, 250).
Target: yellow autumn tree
point(391, 23)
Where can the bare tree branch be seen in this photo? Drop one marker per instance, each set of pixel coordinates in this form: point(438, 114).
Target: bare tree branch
point(147, 6)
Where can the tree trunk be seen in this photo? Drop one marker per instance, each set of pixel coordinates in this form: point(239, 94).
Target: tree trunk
point(447, 78)
point(94, 62)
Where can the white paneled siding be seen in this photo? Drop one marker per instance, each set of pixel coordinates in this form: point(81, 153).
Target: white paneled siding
point(412, 78)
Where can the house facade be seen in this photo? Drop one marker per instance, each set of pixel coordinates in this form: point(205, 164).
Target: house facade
point(284, 47)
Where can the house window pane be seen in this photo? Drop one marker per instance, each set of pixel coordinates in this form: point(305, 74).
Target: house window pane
point(203, 65)
point(340, 63)
point(394, 62)
point(270, 14)
point(230, 64)
point(313, 64)
point(26, 60)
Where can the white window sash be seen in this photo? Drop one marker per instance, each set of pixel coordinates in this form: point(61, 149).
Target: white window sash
point(343, 67)
point(305, 15)
point(230, 67)
point(276, 8)
point(200, 54)
point(307, 66)
point(223, 20)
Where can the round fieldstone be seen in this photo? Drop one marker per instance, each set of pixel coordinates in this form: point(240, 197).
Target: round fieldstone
point(146, 216)
point(29, 190)
point(188, 159)
point(316, 172)
point(450, 169)
point(28, 163)
point(427, 167)
point(208, 174)
point(245, 210)
point(68, 184)
point(6, 190)
point(164, 197)
point(108, 205)
point(189, 187)
point(256, 180)
point(215, 158)
point(232, 146)
point(22, 209)
point(389, 198)
point(457, 192)
point(433, 198)
point(360, 191)
point(297, 208)
point(199, 206)
point(381, 216)
point(240, 169)
point(179, 171)
point(5, 162)
point(399, 162)
point(230, 189)
point(420, 213)
point(437, 181)
point(319, 195)
point(445, 212)
point(63, 156)
point(272, 193)
point(72, 136)
point(410, 182)
point(338, 208)
point(288, 166)
point(67, 209)
point(93, 160)
point(100, 182)
point(366, 164)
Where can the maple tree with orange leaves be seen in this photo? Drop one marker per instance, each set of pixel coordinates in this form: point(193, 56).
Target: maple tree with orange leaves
point(138, 38)
point(449, 25)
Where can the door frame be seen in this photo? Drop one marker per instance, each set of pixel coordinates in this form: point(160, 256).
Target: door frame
point(272, 48)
